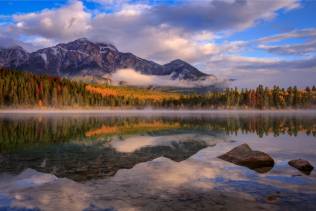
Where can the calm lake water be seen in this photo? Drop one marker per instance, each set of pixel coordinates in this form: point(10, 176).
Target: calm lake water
point(154, 161)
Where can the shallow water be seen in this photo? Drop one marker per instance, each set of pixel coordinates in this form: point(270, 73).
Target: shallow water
point(150, 161)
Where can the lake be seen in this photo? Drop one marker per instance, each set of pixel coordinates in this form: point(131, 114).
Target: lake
point(153, 161)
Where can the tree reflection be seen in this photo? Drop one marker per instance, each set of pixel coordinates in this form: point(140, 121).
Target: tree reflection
point(24, 132)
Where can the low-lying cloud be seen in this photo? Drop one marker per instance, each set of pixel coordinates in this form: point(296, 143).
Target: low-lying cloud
point(134, 78)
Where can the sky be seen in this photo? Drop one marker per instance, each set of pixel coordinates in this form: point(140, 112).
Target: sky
point(268, 42)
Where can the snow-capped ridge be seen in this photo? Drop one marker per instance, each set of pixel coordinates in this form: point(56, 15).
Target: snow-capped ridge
point(83, 57)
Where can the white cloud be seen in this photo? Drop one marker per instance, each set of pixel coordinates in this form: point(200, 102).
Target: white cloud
point(133, 9)
point(250, 71)
point(63, 23)
point(218, 15)
point(302, 33)
point(163, 33)
point(161, 43)
point(308, 36)
point(134, 78)
point(295, 49)
point(109, 2)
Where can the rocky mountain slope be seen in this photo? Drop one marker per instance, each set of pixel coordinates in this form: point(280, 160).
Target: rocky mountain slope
point(86, 58)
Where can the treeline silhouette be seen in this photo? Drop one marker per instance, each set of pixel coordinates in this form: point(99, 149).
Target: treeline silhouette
point(23, 89)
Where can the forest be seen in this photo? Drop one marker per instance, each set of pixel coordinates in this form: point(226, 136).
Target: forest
point(26, 90)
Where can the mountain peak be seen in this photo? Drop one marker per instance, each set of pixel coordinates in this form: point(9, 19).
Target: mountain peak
point(82, 39)
point(83, 57)
point(178, 61)
point(83, 43)
point(79, 42)
point(13, 57)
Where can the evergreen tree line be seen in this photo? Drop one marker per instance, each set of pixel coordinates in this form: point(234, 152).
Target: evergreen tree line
point(23, 89)
point(259, 98)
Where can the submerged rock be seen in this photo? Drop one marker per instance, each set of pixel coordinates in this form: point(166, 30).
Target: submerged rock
point(273, 198)
point(243, 155)
point(302, 165)
point(93, 207)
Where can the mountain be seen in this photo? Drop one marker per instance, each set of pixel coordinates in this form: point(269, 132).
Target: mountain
point(13, 57)
point(82, 57)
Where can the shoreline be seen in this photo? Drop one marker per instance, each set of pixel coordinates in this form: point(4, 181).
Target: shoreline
point(155, 111)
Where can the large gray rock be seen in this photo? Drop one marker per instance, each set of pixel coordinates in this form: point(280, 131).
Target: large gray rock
point(302, 165)
point(243, 155)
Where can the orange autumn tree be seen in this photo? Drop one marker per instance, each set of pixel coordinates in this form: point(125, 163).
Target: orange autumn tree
point(141, 94)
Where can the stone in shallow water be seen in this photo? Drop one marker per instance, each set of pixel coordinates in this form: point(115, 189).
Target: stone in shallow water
point(302, 165)
point(93, 207)
point(243, 155)
point(273, 198)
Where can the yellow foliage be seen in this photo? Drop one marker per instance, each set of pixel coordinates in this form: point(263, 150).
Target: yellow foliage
point(141, 94)
point(40, 103)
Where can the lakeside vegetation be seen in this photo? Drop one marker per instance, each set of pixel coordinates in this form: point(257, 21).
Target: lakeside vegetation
point(27, 90)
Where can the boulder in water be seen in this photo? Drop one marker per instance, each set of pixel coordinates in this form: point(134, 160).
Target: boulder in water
point(302, 165)
point(243, 155)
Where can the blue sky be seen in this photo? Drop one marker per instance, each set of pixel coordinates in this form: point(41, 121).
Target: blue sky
point(254, 41)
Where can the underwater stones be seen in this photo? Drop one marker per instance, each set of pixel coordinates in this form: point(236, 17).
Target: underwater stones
point(243, 155)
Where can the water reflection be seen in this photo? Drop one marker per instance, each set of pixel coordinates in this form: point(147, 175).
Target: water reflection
point(155, 162)
point(82, 147)
point(23, 131)
point(81, 162)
